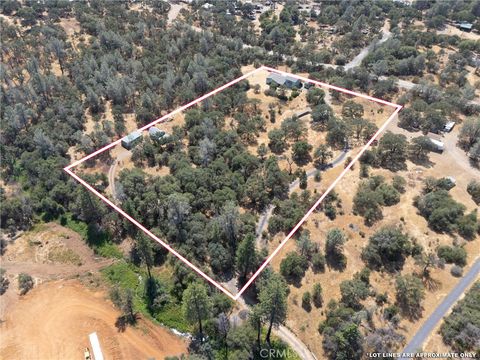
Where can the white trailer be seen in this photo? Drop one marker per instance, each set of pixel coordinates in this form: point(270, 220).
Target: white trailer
point(97, 351)
point(439, 146)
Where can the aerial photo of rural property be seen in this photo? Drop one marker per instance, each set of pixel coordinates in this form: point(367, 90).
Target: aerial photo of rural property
point(240, 179)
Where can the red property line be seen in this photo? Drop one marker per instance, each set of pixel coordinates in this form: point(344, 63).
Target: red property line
point(312, 209)
point(166, 117)
point(149, 233)
point(68, 169)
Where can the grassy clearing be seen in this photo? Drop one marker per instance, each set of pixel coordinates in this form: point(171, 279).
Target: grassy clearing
point(128, 276)
point(98, 240)
point(64, 256)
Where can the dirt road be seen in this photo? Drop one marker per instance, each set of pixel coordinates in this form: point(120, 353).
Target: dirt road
point(281, 332)
point(54, 320)
point(174, 11)
point(293, 185)
point(357, 60)
point(112, 171)
point(457, 155)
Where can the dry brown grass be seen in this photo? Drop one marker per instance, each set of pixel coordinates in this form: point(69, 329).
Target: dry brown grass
point(305, 324)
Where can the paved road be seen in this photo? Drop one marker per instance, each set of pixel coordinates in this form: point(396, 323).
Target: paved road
point(442, 309)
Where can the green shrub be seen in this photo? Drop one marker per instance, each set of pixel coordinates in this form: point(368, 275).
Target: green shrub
point(317, 295)
point(318, 262)
point(307, 301)
point(352, 292)
point(293, 266)
point(25, 283)
point(460, 329)
point(97, 239)
point(467, 225)
point(473, 189)
point(452, 254)
point(387, 248)
point(441, 211)
point(4, 282)
point(399, 183)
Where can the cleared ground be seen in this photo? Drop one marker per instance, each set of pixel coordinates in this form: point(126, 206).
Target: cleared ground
point(54, 320)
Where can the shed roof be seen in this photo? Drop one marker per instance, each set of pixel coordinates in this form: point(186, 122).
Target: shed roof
point(449, 125)
point(133, 136)
point(437, 143)
point(281, 79)
point(466, 25)
point(154, 130)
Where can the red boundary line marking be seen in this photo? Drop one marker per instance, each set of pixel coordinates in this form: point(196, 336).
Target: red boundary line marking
point(312, 209)
point(68, 169)
point(149, 233)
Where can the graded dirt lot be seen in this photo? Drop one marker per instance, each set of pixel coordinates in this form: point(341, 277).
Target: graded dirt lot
point(54, 320)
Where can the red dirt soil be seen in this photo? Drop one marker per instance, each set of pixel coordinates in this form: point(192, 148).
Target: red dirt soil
point(53, 321)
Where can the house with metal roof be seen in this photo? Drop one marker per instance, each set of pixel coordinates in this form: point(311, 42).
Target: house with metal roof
point(465, 26)
point(283, 80)
point(132, 139)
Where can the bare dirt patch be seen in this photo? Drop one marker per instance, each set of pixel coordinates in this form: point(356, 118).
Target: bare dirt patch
point(54, 321)
point(70, 25)
point(49, 244)
point(452, 30)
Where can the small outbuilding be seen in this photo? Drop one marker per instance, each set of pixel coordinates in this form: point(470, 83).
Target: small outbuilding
point(465, 26)
point(132, 139)
point(437, 144)
point(155, 133)
point(303, 112)
point(284, 80)
point(449, 126)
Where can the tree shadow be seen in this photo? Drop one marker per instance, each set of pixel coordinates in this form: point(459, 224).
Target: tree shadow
point(336, 261)
point(121, 324)
point(422, 161)
point(412, 314)
point(474, 163)
point(294, 280)
point(431, 284)
point(307, 307)
point(303, 161)
point(123, 321)
point(225, 275)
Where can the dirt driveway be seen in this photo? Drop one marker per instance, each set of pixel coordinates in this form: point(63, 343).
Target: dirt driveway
point(54, 320)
